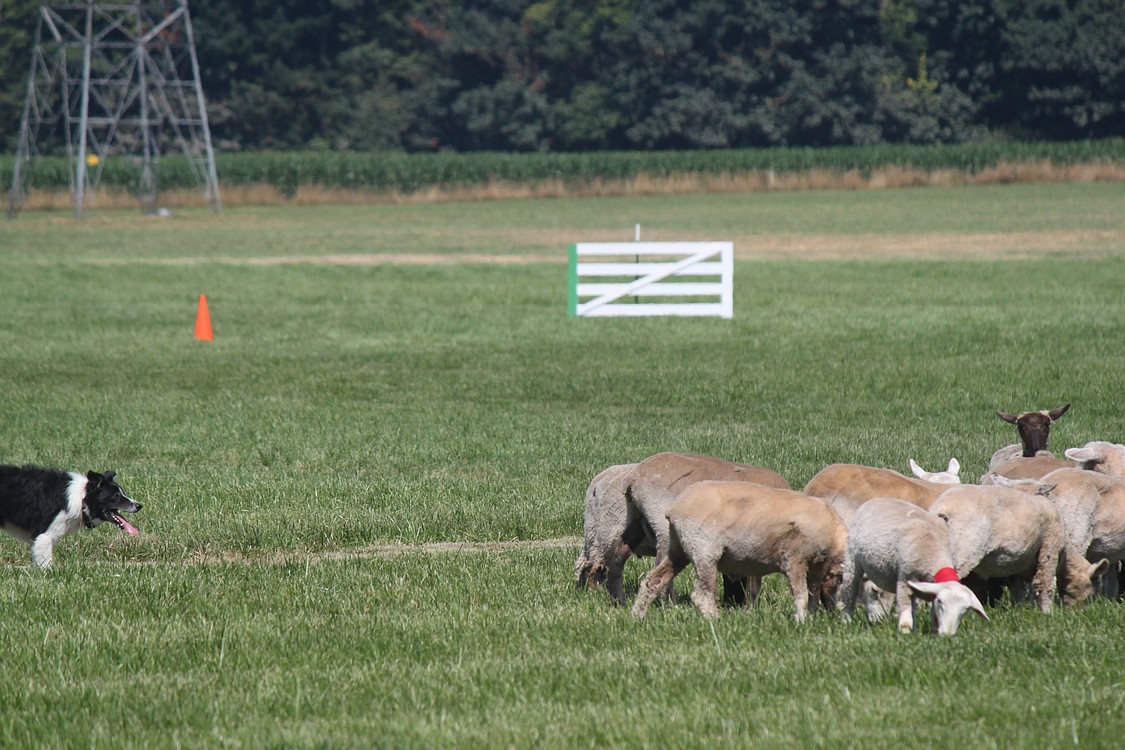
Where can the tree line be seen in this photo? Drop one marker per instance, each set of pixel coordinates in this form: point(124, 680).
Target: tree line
point(595, 75)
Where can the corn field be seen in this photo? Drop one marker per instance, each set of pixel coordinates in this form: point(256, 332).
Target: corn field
point(399, 173)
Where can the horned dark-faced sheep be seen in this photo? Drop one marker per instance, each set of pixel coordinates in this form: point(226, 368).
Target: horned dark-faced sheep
point(1034, 427)
point(743, 529)
point(906, 550)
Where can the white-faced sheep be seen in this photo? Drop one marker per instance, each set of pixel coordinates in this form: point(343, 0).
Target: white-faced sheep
point(904, 549)
point(951, 475)
point(603, 524)
point(845, 487)
point(654, 484)
point(1076, 497)
point(1074, 494)
point(743, 529)
point(1001, 532)
point(1107, 537)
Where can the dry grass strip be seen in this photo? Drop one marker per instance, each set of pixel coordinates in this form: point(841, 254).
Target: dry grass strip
point(642, 184)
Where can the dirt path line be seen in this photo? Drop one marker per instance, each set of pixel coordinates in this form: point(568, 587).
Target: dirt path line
point(366, 259)
point(375, 551)
point(935, 245)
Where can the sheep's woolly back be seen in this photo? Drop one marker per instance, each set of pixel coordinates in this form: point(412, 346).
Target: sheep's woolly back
point(846, 487)
point(743, 519)
point(1037, 466)
point(998, 532)
point(1007, 453)
point(893, 541)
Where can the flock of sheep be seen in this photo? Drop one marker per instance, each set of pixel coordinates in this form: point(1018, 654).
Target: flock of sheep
point(1038, 524)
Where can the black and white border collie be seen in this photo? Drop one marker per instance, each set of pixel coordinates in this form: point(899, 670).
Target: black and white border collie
point(41, 506)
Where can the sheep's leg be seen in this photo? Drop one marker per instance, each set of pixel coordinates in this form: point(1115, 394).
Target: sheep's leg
point(827, 598)
point(704, 596)
point(735, 591)
point(1019, 588)
point(849, 588)
point(907, 605)
point(797, 573)
point(1107, 583)
point(1043, 584)
point(663, 543)
point(631, 539)
point(658, 580)
point(615, 572)
point(814, 597)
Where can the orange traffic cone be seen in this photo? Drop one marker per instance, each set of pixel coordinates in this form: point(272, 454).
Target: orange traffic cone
point(203, 320)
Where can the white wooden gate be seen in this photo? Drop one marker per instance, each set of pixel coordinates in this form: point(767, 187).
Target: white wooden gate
point(642, 278)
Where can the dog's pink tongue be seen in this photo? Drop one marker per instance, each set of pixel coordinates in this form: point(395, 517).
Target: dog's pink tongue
point(126, 525)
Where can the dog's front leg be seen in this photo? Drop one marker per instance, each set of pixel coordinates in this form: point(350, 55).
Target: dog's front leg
point(43, 550)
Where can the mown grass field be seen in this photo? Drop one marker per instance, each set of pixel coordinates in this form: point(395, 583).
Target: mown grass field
point(363, 498)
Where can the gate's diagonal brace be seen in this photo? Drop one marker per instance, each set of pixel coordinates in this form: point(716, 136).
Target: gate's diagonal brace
point(663, 273)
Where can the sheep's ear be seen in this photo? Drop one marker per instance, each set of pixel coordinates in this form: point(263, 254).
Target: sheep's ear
point(1098, 569)
point(925, 589)
point(918, 470)
point(977, 607)
point(1045, 489)
point(1056, 413)
point(1010, 418)
point(954, 466)
point(999, 480)
point(1083, 455)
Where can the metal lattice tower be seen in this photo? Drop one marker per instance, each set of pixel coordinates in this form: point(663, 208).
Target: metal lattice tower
point(120, 80)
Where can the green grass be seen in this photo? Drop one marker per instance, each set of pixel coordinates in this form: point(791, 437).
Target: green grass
point(342, 407)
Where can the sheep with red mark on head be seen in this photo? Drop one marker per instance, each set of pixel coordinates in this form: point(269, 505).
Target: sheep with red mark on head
point(906, 550)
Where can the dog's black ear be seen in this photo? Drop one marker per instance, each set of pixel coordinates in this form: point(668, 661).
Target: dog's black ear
point(109, 475)
point(93, 476)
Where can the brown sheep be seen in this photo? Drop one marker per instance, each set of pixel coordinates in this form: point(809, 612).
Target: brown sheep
point(653, 485)
point(743, 529)
point(845, 487)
